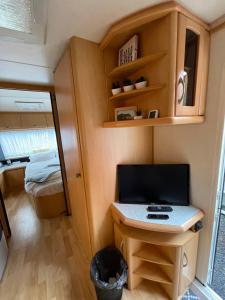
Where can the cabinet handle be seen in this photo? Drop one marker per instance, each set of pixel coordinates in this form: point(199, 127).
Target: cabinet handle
point(78, 175)
point(185, 260)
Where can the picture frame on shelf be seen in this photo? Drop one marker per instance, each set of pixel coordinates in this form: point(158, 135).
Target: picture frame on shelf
point(153, 114)
point(125, 113)
point(129, 51)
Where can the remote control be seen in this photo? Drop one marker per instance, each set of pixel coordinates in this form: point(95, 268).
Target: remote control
point(158, 217)
point(159, 208)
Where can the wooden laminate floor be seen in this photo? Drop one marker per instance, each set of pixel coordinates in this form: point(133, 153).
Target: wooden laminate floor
point(44, 260)
point(45, 263)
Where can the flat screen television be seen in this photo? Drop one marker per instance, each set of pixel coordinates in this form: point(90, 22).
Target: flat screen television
point(156, 183)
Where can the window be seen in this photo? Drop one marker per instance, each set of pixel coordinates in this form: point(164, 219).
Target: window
point(24, 142)
point(16, 15)
point(23, 20)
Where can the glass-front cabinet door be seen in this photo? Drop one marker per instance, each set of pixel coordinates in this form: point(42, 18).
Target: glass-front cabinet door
point(192, 67)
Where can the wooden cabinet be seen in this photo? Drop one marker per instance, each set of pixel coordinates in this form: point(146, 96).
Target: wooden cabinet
point(164, 261)
point(33, 120)
point(49, 120)
point(14, 180)
point(188, 263)
point(26, 120)
point(92, 153)
point(173, 48)
point(66, 106)
point(192, 67)
point(10, 121)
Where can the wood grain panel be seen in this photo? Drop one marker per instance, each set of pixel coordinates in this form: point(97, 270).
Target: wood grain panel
point(10, 121)
point(66, 105)
point(14, 180)
point(25, 120)
point(128, 25)
point(26, 86)
point(49, 120)
point(34, 120)
point(102, 149)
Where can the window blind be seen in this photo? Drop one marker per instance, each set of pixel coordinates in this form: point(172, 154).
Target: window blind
point(25, 142)
point(16, 15)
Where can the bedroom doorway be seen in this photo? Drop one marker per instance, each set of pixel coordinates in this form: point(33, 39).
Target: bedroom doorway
point(29, 137)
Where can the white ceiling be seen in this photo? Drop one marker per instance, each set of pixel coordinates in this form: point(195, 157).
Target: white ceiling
point(14, 100)
point(89, 19)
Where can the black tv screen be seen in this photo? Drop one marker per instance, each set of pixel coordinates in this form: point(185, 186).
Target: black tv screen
point(159, 184)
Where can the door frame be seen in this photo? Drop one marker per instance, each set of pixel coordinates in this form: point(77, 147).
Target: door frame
point(49, 89)
point(218, 176)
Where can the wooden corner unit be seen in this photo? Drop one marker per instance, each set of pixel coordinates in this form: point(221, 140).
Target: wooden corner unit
point(176, 84)
point(164, 260)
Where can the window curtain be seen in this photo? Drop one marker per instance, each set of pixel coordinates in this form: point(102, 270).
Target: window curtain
point(23, 143)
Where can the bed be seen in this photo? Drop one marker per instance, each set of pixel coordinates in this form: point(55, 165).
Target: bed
point(43, 182)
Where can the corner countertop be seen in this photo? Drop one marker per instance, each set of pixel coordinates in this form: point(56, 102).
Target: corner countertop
point(180, 219)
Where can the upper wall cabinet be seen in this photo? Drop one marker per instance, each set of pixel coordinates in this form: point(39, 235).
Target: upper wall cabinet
point(34, 120)
point(192, 62)
point(49, 119)
point(25, 120)
point(172, 56)
point(10, 121)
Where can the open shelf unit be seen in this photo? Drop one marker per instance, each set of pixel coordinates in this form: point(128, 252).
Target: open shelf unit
point(135, 93)
point(160, 47)
point(158, 259)
point(152, 272)
point(153, 254)
point(154, 63)
point(135, 65)
point(155, 122)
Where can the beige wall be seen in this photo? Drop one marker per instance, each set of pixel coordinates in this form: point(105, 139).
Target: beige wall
point(199, 146)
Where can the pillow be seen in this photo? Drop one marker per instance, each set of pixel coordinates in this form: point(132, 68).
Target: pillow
point(42, 156)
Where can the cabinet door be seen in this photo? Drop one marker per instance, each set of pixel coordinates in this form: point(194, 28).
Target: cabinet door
point(49, 120)
point(14, 180)
point(33, 120)
point(69, 131)
point(192, 67)
point(10, 121)
point(188, 263)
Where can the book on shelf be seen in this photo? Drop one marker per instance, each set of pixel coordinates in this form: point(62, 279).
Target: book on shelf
point(129, 51)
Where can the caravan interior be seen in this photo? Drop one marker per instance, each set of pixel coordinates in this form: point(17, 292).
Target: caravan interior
point(112, 139)
point(29, 153)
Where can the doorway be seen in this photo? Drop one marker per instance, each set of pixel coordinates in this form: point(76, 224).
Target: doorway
point(29, 126)
point(216, 274)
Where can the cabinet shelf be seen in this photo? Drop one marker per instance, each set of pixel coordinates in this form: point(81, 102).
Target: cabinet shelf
point(152, 254)
point(135, 93)
point(133, 66)
point(151, 290)
point(152, 272)
point(156, 122)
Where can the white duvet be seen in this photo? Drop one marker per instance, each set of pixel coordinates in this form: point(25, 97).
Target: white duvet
point(52, 185)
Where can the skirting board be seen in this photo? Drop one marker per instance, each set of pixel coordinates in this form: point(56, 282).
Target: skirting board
point(203, 292)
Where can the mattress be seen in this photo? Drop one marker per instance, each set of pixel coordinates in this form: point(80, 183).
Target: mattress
point(52, 185)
